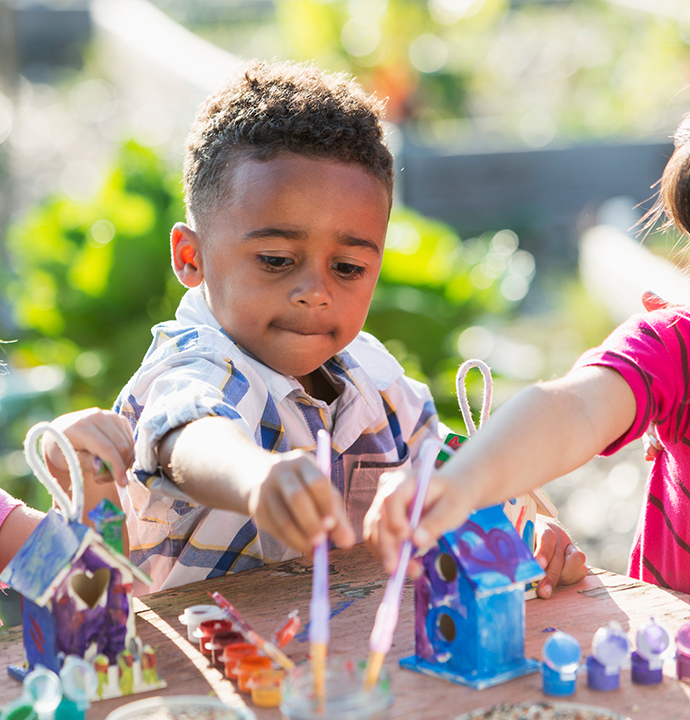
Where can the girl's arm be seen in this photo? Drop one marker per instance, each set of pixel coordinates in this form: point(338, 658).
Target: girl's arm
point(15, 531)
point(545, 431)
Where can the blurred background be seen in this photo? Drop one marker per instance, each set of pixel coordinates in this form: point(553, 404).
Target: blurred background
point(528, 137)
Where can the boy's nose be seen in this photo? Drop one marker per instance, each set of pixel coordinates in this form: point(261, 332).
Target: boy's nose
point(312, 290)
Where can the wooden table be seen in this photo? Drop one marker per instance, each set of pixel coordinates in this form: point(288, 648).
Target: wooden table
point(266, 595)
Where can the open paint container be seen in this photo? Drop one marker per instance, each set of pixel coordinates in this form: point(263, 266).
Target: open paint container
point(346, 698)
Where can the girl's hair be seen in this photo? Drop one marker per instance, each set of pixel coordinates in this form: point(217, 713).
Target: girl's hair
point(270, 108)
point(672, 205)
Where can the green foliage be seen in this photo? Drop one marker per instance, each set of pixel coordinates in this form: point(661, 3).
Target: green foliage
point(532, 72)
point(89, 278)
point(432, 287)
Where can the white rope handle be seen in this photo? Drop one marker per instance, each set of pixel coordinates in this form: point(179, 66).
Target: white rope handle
point(71, 508)
point(461, 390)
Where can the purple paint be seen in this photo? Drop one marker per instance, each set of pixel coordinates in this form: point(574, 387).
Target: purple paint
point(495, 550)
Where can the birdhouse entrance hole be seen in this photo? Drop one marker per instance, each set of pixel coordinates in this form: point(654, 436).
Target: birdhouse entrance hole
point(90, 589)
point(446, 568)
point(446, 627)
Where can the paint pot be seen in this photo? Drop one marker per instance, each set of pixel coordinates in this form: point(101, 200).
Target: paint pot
point(647, 661)
point(208, 629)
point(266, 687)
point(232, 655)
point(561, 655)
point(249, 666)
point(79, 685)
point(43, 689)
point(220, 641)
point(19, 710)
point(346, 697)
point(196, 614)
point(683, 651)
point(610, 647)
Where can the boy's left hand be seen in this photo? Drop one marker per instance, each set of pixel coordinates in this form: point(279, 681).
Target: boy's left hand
point(93, 433)
point(561, 559)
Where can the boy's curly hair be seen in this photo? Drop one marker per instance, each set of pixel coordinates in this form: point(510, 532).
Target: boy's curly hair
point(270, 108)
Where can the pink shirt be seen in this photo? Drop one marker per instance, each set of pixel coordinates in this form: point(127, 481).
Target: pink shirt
point(7, 504)
point(652, 353)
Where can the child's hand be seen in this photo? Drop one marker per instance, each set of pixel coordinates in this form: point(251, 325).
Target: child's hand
point(386, 524)
point(93, 433)
point(298, 504)
point(562, 561)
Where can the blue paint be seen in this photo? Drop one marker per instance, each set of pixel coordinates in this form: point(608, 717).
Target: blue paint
point(303, 635)
point(562, 656)
point(470, 604)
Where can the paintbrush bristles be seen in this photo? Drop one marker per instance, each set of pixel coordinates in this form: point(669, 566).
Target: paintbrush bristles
point(318, 669)
point(373, 669)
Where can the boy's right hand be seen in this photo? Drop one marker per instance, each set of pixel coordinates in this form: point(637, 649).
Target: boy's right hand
point(298, 504)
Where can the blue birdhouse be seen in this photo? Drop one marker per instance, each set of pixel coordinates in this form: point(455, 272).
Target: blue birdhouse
point(470, 604)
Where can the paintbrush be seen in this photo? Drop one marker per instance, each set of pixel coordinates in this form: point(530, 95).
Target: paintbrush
point(381, 637)
point(251, 636)
point(319, 607)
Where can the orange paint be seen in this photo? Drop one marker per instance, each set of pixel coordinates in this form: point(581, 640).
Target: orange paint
point(233, 654)
point(248, 667)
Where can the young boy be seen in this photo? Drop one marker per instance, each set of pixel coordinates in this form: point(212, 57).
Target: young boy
point(288, 189)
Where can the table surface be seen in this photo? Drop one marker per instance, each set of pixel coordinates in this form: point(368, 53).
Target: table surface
point(265, 596)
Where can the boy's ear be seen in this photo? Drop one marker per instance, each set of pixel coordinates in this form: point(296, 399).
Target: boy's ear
point(184, 245)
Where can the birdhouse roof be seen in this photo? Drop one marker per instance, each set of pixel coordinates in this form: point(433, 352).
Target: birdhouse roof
point(49, 554)
point(491, 554)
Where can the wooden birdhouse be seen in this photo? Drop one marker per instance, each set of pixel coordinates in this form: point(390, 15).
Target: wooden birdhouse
point(470, 604)
point(523, 510)
point(76, 590)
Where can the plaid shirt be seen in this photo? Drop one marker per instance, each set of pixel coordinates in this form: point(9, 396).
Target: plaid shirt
point(194, 369)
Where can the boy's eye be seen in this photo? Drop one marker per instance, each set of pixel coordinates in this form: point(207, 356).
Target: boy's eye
point(348, 270)
point(275, 262)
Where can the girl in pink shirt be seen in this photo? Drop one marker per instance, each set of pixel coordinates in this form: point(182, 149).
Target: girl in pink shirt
point(639, 375)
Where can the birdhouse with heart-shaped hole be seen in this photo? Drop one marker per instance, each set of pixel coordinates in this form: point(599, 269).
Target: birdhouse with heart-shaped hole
point(470, 604)
point(76, 590)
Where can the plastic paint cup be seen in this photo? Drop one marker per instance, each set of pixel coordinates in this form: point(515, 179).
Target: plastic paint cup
point(19, 710)
point(233, 654)
point(248, 667)
point(220, 641)
point(561, 658)
point(196, 614)
point(208, 629)
point(346, 698)
point(683, 652)
point(266, 687)
point(610, 647)
point(647, 661)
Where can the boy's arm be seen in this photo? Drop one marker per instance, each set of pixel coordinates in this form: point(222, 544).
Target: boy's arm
point(542, 433)
point(216, 465)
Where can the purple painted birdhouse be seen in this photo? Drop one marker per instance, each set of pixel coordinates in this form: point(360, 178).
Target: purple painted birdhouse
point(76, 590)
point(470, 604)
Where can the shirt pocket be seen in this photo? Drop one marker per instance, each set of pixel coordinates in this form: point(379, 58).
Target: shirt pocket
point(364, 480)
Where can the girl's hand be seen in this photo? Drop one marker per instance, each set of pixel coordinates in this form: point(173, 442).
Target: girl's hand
point(563, 562)
point(386, 524)
point(103, 441)
point(299, 505)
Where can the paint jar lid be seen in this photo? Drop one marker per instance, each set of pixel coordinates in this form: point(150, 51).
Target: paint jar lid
point(610, 646)
point(44, 689)
point(562, 653)
point(79, 681)
point(652, 640)
point(683, 638)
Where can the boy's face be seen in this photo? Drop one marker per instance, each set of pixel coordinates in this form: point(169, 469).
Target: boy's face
point(290, 262)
